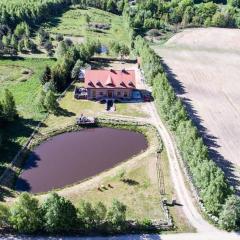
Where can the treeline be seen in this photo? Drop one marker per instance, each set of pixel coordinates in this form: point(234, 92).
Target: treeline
point(13, 12)
point(113, 6)
point(149, 14)
point(207, 177)
point(58, 215)
point(17, 18)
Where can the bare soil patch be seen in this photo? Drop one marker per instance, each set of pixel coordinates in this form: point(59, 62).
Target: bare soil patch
point(204, 68)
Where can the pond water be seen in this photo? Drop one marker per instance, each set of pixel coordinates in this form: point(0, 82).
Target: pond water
point(72, 157)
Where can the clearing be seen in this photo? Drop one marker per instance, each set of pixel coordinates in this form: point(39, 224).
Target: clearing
point(203, 67)
point(73, 25)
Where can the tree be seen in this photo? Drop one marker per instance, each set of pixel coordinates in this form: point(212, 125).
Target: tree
point(13, 42)
point(86, 214)
point(4, 214)
point(21, 30)
point(9, 106)
point(87, 19)
point(234, 3)
point(41, 100)
point(111, 6)
point(59, 214)
point(59, 37)
point(27, 43)
point(91, 216)
point(46, 75)
point(76, 69)
point(50, 102)
point(230, 215)
point(101, 213)
point(117, 214)
point(218, 20)
point(25, 214)
point(49, 47)
point(61, 50)
point(124, 51)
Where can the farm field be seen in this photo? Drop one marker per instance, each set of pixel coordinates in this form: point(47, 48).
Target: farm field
point(73, 25)
point(21, 77)
point(203, 67)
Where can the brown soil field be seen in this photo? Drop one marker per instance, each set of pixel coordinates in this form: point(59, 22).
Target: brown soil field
point(203, 66)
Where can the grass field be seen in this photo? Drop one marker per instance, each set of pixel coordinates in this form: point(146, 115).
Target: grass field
point(72, 23)
point(24, 88)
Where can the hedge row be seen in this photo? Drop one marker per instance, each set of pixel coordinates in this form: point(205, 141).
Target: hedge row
point(207, 177)
point(58, 215)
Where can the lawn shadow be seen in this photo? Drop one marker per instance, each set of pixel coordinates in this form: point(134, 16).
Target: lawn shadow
point(209, 140)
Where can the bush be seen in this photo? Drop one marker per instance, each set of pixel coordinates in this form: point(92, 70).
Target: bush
point(59, 214)
point(26, 215)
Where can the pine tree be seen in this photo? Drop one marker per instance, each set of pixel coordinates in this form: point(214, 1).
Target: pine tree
point(46, 76)
point(9, 106)
point(50, 101)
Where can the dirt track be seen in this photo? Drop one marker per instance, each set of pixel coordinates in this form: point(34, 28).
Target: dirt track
point(204, 68)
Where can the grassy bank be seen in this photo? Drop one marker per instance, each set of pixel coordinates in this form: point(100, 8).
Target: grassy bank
point(21, 77)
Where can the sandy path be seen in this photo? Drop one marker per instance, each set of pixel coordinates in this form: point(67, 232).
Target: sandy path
point(209, 83)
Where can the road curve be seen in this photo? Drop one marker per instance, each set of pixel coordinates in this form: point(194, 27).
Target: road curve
point(184, 196)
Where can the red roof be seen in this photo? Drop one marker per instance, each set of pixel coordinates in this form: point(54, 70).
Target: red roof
point(110, 79)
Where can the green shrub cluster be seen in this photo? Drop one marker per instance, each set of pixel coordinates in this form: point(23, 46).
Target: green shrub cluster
point(58, 215)
point(207, 177)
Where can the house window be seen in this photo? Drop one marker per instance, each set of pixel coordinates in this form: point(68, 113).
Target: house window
point(101, 93)
point(125, 94)
point(118, 94)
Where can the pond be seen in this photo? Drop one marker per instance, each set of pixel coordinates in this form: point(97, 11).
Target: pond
point(71, 157)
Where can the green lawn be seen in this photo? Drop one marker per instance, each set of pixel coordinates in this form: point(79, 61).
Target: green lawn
point(25, 88)
point(73, 23)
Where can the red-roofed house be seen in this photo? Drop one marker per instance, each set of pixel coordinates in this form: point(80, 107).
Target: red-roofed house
point(110, 83)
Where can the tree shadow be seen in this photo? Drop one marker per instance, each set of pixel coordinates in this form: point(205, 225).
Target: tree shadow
point(22, 185)
point(130, 182)
point(64, 112)
point(209, 140)
point(5, 192)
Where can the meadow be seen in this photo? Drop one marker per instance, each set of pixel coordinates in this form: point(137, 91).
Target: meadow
point(73, 24)
point(21, 77)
